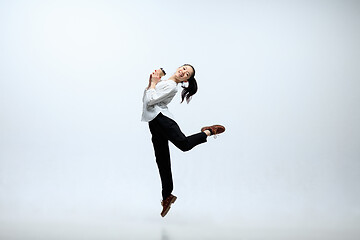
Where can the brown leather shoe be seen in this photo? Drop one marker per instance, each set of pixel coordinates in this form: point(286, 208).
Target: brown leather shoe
point(166, 204)
point(215, 129)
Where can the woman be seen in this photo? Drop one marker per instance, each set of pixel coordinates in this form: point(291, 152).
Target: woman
point(163, 128)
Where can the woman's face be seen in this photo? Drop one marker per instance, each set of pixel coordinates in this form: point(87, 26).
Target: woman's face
point(183, 73)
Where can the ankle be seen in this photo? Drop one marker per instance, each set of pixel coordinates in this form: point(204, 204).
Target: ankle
point(208, 132)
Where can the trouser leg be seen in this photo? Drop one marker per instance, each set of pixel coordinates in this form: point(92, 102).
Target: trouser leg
point(173, 132)
point(162, 154)
point(187, 143)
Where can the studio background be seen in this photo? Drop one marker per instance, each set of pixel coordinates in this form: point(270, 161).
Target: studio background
point(76, 162)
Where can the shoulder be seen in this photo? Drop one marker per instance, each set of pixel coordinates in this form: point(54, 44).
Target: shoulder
point(169, 84)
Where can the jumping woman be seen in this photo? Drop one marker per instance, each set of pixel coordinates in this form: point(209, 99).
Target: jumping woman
point(163, 128)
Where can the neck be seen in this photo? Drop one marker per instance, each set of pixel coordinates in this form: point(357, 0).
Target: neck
point(174, 79)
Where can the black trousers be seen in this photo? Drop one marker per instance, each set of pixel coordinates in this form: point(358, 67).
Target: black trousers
point(163, 130)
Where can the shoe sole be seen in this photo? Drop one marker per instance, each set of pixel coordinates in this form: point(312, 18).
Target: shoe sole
point(168, 208)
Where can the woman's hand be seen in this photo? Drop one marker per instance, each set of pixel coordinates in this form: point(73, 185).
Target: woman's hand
point(155, 77)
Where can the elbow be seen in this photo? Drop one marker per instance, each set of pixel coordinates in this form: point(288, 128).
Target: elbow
point(149, 103)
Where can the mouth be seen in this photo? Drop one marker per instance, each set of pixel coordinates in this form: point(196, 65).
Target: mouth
point(181, 74)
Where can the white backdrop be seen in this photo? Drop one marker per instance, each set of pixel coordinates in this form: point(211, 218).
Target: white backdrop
point(282, 76)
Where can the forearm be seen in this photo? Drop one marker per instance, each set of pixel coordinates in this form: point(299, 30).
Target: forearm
point(151, 85)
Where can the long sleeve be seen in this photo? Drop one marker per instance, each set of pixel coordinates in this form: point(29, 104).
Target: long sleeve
point(163, 93)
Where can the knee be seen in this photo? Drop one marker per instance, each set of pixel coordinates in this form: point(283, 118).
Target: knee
point(185, 146)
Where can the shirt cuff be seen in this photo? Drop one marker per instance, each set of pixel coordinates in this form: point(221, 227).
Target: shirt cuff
point(149, 90)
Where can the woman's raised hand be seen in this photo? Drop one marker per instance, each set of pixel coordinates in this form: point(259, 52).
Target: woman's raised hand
point(156, 76)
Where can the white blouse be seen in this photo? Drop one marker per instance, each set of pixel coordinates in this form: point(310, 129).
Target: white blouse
point(156, 100)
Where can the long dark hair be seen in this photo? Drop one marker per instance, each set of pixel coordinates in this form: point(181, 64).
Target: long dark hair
point(191, 89)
